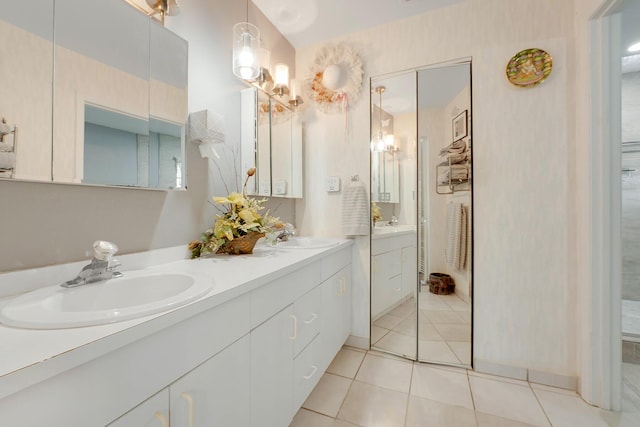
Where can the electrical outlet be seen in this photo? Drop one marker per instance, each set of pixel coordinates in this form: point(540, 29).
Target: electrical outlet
point(333, 184)
point(280, 187)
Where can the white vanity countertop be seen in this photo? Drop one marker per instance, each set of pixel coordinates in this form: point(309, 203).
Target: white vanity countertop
point(392, 230)
point(30, 356)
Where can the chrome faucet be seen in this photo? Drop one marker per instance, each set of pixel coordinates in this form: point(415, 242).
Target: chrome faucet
point(101, 267)
point(393, 221)
point(289, 231)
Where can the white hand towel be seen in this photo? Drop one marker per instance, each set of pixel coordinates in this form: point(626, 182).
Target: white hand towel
point(6, 146)
point(355, 210)
point(456, 249)
point(7, 160)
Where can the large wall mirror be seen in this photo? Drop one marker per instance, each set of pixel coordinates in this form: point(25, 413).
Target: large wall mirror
point(272, 143)
point(106, 104)
point(421, 244)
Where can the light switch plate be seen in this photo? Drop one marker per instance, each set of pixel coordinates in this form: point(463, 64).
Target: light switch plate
point(333, 184)
point(280, 187)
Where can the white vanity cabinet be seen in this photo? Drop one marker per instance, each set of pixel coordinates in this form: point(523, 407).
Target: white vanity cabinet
point(393, 270)
point(250, 360)
point(154, 412)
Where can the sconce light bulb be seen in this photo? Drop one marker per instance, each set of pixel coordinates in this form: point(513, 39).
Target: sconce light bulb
point(634, 47)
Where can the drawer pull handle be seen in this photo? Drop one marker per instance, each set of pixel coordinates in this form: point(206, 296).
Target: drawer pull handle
point(189, 399)
point(313, 372)
point(342, 287)
point(295, 327)
point(314, 316)
point(161, 417)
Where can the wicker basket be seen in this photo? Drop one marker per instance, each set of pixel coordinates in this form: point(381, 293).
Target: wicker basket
point(241, 245)
point(441, 284)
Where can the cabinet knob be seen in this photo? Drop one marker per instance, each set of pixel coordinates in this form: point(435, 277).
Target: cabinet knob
point(314, 316)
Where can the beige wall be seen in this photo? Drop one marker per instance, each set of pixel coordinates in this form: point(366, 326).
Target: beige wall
point(525, 285)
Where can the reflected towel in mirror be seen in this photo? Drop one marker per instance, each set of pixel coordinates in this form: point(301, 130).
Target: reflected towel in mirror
point(456, 249)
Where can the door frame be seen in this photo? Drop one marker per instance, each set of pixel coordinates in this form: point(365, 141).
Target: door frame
point(602, 380)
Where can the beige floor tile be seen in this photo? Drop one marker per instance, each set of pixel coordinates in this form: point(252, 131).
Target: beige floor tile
point(488, 420)
point(427, 413)
point(428, 332)
point(454, 332)
point(442, 316)
point(447, 387)
point(506, 400)
point(543, 387)
point(388, 321)
point(497, 378)
point(370, 406)
point(346, 363)
point(342, 423)
point(404, 309)
point(462, 350)
point(457, 304)
point(398, 344)
point(407, 327)
point(377, 332)
point(436, 351)
point(328, 395)
point(465, 315)
point(568, 411)
point(387, 373)
point(305, 418)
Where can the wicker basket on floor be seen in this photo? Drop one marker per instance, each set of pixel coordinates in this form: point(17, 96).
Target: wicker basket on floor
point(441, 284)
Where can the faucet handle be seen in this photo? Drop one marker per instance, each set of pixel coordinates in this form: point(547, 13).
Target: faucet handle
point(103, 250)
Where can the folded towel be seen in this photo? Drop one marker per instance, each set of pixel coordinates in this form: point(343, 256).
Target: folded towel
point(456, 248)
point(6, 146)
point(455, 147)
point(355, 210)
point(7, 160)
point(455, 173)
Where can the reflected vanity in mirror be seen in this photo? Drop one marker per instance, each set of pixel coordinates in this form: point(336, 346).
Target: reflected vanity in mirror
point(421, 244)
point(118, 114)
point(272, 143)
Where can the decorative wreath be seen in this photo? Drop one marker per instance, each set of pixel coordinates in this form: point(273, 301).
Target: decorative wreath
point(336, 78)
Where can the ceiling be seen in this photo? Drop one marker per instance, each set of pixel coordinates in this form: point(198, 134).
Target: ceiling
point(308, 22)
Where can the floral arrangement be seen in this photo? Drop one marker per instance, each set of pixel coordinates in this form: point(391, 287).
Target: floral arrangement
point(237, 228)
point(376, 215)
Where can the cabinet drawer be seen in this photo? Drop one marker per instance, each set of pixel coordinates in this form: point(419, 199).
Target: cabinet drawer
point(307, 311)
point(306, 373)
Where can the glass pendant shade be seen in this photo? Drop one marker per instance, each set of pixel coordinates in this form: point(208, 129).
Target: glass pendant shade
point(246, 45)
point(282, 75)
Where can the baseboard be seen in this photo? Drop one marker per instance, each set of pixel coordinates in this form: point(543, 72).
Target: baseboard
point(524, 374)
point(358, 342)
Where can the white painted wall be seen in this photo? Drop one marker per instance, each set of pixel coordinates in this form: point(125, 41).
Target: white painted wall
point(523, 178)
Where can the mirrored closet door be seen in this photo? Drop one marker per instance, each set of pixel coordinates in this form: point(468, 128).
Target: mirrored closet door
point(421, 240)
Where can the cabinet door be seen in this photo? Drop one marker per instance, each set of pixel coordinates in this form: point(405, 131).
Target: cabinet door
point(336, 314)
point(215, 393)
point(272, 370)
point(409, 271)
point(153, 412)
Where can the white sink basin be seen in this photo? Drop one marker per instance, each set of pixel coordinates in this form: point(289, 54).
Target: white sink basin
point(136, 294)
point(393, 229)
point(307, 243)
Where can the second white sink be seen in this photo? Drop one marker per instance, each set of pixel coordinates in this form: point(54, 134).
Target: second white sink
point(307, 243)
point(135, 295)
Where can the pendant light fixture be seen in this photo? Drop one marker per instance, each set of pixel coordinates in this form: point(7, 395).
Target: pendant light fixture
point(382, 142)
point(246, 45)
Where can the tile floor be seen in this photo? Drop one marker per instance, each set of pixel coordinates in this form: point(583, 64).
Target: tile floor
point(444, 329)
point(372, 389)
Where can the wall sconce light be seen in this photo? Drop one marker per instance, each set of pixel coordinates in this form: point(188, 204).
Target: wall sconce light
point(294, 97)
point(246, 43)
point(163, 8)
point(281, 83)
